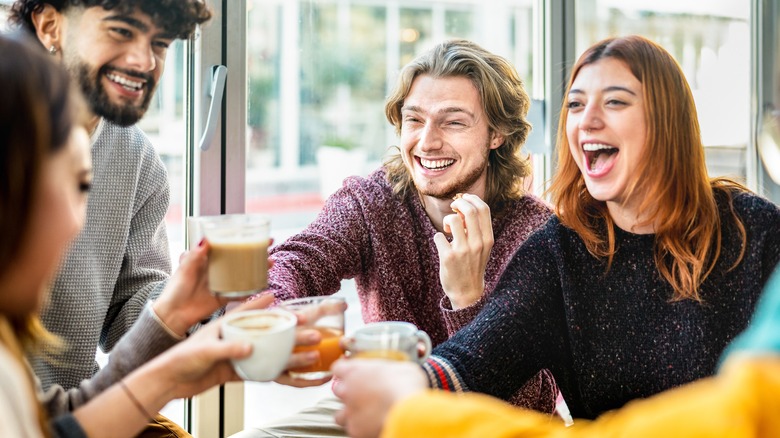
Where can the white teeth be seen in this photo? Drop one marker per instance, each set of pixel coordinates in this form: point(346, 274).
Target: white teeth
point(435, 164)
point(127, 83)
point(592, 147)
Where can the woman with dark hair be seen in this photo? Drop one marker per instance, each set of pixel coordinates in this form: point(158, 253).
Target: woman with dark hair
point(45, 174)
point(646, 272)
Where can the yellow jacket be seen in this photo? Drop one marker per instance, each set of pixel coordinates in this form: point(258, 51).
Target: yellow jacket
point(742, 401)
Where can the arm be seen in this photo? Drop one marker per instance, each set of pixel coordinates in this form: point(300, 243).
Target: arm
point(519, 220)
point(187, 369)
point(164, 323)
point(520, 330)
point(330, 249)
point(462, 262)
point(740, 403)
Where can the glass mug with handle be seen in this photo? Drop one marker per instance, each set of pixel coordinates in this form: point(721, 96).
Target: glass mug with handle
point(389, 340)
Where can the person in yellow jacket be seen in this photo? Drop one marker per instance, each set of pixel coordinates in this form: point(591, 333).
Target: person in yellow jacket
point(742, 400)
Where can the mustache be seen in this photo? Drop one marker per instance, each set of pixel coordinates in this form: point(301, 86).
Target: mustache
point(147, 77)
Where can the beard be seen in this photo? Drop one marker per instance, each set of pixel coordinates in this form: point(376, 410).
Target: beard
point(122, 114)
point(460, 185)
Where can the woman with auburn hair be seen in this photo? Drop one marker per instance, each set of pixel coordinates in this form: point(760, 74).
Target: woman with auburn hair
point(646, 272)
point(45, 174)
point(673, 197)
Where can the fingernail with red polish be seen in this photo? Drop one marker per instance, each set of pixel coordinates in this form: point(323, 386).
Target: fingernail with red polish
point(202, 241)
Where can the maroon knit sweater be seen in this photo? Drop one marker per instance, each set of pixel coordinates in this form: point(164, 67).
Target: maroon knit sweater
point(386, 243)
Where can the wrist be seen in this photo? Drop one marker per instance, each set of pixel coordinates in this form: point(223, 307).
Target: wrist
point(168, 320)
point(466, 298)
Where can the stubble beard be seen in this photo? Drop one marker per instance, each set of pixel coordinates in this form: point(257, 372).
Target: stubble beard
point(99, 101)
point(452, 188)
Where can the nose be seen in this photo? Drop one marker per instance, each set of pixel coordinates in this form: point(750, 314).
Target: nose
point(591, 118)
point(141, 57)
point(430, 138)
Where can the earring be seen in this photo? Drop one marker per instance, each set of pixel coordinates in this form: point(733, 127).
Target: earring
point(52, 50)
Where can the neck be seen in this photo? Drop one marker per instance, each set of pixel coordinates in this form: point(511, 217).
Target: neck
point(629, 218)
point(93, 123)
point(437, 208)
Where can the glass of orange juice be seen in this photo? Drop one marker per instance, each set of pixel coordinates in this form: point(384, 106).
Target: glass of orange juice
point(326, 315)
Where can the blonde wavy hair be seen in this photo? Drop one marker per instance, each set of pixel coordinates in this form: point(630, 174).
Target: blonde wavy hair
point(504, 101)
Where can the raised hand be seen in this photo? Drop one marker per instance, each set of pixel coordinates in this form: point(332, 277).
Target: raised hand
point(462, 262)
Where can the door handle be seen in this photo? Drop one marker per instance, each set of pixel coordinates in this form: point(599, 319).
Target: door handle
point(218, 76)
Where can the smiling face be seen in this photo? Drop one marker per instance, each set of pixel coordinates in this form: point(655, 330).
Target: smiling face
point(57, 216)
point(117, 59)
point(606, 128)
point(445, 137)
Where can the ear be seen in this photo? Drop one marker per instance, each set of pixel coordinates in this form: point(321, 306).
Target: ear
point(49, 27)
point(496, 140)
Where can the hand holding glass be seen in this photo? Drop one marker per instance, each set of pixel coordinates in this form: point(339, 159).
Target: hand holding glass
point(238, 255)
point(326, 315)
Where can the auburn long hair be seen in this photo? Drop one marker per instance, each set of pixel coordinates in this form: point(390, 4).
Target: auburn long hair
point(504, 101)
point(678, 196)
point(37, 113)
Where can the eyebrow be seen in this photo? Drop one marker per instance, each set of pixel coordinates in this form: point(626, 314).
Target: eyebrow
point(138, 24)
point(611, 88)
point(447, 110)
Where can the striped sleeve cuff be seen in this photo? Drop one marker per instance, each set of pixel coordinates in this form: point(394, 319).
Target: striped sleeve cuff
point(442, 375)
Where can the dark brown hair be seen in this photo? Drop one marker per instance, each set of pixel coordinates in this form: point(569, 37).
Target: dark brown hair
point(37, 113)
point(177, 17)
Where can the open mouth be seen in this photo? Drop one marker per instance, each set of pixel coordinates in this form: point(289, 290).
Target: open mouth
point(126, 83)
point(598, 155)
point(436, 164)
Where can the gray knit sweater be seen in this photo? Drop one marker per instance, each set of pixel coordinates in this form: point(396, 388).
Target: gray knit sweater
point(118, 261)
point(608, 336)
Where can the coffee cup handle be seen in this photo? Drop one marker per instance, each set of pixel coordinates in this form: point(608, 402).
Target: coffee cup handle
point(425, 339)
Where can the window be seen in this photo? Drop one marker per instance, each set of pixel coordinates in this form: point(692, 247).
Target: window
point(711, 41)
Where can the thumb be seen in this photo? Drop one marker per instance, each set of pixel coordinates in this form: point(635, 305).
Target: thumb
point(442, 245)
point(226, 350)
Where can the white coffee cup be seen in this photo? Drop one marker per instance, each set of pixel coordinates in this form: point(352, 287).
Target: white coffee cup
point(272, 335)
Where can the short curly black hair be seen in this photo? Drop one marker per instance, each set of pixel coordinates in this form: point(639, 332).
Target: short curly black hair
point(178, 17)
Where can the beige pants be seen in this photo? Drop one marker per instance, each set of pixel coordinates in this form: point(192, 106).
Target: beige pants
point(316, 421)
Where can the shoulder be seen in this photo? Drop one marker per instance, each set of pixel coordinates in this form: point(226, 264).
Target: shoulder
point(131, 146)
point(531, 206)
point(751, 208)
point(373, 188)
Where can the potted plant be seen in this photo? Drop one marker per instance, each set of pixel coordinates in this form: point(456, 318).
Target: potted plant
point(338, 158)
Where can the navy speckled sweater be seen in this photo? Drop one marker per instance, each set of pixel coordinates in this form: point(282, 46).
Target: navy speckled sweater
point(607, 338)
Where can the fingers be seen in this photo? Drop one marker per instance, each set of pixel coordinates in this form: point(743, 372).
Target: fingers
point(286, 379)
point(260, 302)
point(328, 307)
point(442, 244)
point(475, 214)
